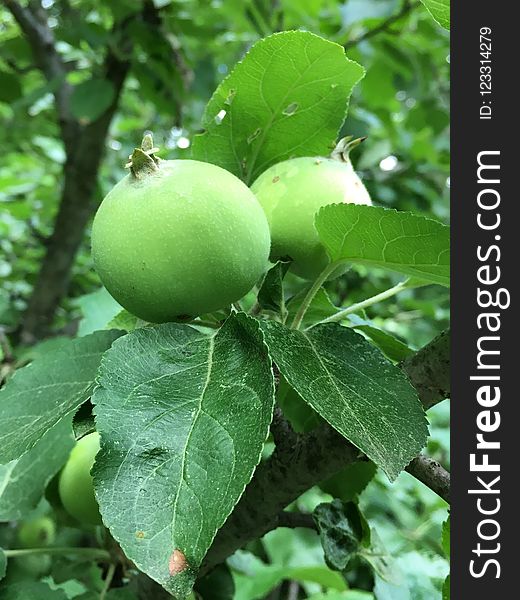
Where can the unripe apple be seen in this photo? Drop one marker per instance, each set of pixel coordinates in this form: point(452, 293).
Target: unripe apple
point(76, 487)
point(293, 191)
point(178, 238)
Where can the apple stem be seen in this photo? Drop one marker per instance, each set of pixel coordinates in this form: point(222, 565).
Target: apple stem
point(344, 147)
point(143, 161)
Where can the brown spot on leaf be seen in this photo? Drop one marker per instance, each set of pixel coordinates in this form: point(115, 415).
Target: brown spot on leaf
point(275, 179)
point(139, 535)
point(178, 562)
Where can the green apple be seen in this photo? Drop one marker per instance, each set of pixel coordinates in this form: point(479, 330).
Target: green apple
point(293, 191)
point(178, 238)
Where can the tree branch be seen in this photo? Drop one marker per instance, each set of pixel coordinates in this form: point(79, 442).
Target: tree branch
point(292, 520)
point(281, 430)
point(406, 8)
point(310, 458)
point(429, 370)
point(432, 474)
point(32, 21)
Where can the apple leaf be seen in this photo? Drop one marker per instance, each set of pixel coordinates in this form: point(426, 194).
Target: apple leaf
point(287, 97)
point(31, 590)
point(355, 388)
point(270, 296)
point(23, 480)
point(439, 10)
point(183, 417)
point(381, 237)
point(39, 395)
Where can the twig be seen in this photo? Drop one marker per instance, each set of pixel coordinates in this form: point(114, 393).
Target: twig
point(108, 581)
point(90, 553)
point(432, 474)
point(32, 21)
point(384, 26)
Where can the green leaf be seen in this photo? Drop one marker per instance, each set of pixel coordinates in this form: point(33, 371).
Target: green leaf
point(98, 309)
point(83, 422)
point(381, 237)
point(91, 98)
point(343, 532)
point(389, 345)
point(446, 537)
point(31, 590)
point(299, 414)
point(125, 321)
point(23, 480)
point(446, 589)
point(183, 417)
point(350, 482)
point(287, 97)
point(348, 595)
point(381, 561)
point(270, 296)
point(3, 564)
point(216, 585)
point(320, 308)
point(260, 579)
point(10, 88)
point(353, 387)
point(41, 394)
point(439, 10)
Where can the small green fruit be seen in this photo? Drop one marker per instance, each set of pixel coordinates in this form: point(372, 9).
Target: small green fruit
point(36, 533)
point(76, 486)
point(178, 238)
point(292, 192)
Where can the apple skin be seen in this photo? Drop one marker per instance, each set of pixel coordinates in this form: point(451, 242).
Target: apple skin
point(76, 487)
point(36, 533)
point(291, 193)
point(186, 239)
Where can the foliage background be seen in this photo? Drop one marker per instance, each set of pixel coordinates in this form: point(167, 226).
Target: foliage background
point(401, 106)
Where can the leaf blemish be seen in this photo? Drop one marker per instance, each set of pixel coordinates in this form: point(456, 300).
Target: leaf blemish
point(277, 178)
point(139, 535)
point(177, 563)
point(219, 117)
point(254, 135)
point(230, 97)
point(291, 109)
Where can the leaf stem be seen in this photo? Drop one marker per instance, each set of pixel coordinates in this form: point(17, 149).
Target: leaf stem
point(92, 553)
point(322, 277)
point(339, 316)
point(108, 581)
